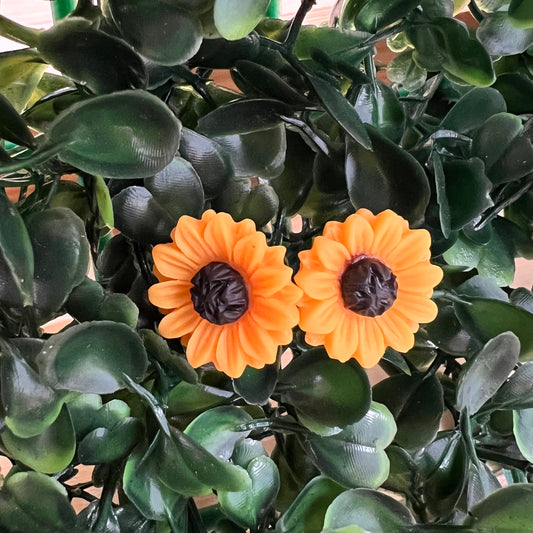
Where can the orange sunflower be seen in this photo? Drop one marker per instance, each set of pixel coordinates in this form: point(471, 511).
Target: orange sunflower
point(367, 285)
point(224, 292)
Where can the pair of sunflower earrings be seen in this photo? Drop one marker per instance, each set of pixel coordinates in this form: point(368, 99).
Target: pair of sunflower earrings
point(365, 284)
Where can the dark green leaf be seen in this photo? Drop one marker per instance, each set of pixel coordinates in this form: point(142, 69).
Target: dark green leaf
point(386, 178)
point(500, 37)
point(260, 205)
point(355, 457)
point(416, 402)
point(521, 13)
point(307, 511)
point(481, 483)
point(403, 70)
point(509, 509)
point(16, 249)
point(372, 16)
point(517, 89)
point(486, 373)
point(12, 126)
point(92, 357)
point(516, 393)
point(523, 298)
point(402, 470)
point(235, 19)
point(58, 439)
point(188, 398)
point(370, 510)
point(163, 33)
point(325, 390)
point(256, 385)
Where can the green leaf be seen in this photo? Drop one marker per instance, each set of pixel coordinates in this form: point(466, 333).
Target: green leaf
point(30, 501)
point(517, 89)
point(487, 372)
point(501, 37)
point(209, 160)
point(188, 398)
point(481, 483)
point(387, 177)
point(340, 109)
point(12, 126)
point(16, 249)
point(30, 405)
point(68, 39)
point(473, 109)
point(521, 13)
point(104, 445)
point(92, 357)
point(523, 432)
point(248, 507)
point(486, 319)
point(217, 429)
point(20, 73)
point(380, 13)
point(163, 33)
point(61, 253)
point(235, 19)
point(58, 439)
point(324, 390)
point(403, 70)
point(509, 509)
point(307, 511)
point(355, 457)
point(416, 402)
point(256, 385)
point(402, 470)
point(516, 393)
point(370, 510)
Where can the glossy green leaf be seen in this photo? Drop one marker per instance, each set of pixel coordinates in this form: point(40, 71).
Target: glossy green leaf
point(501, 37)
point(473, 109)
point(16, 249)
point(189, 398)
point(104, 445)
point(325, 390)
point(444, 466)
point(163, 33)
point(248, 507)
point(416, 402)
point(246, 450)
point(61, 252)
point(516, 393)
point(370, 510)
point(522, 297)
point(12, 126)
point(261, 153)
point(372, 16)
point(58, 439)
point(521, 13)
point(309, 508)
point(30, 501)
point(91, 357)
point(216, 430)
point(341, 110)
point(85, 300)
point(30, 405)
point(355, 457)
point(486, 319)
point(209, 160)
point(118, 307)
point(403, 70)
point(517, 89)
point(386, 178)
point(62, 45)
point(523, 432)
point(20, 73)
point(140, 217)
point(260, 205)
point(178, 189)
point(509, 509)
point(235, 19)
point(82, 409)
point(256, 385)
point(402, 470)
point(488, 370)
point(481, 483)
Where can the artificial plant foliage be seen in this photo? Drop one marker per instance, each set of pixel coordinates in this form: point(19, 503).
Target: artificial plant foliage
point(232, 261)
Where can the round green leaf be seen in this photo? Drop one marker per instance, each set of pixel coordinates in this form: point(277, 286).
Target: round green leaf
point(92, 357)
point(247, 507)
point(370, 510)
point(325, 390)
point(417, 405)
point(127, 134)
point(235, 19)
point(523, 432)
point(509, 509)
point(387, 177)
point(402, 69)
point(355, 457)
point(500, 37)
point(216, 429)
point(516, 393)
point(256, 385)
point(58, 440)
point(13, 128)
point(30, 501)
point(178, 189)
point(487, 372)
point(85, 300)
point(189, 398)
point(159, 31)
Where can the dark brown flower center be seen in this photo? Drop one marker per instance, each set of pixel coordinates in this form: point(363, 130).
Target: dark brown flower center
point(219, 293)
point(368, 287)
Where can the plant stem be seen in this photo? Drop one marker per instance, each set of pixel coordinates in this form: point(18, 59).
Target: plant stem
point(476, 12)
point(297, 21)
point(18, 33)
point(106, 500)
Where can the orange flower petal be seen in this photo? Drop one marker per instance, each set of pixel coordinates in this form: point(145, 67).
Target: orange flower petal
point(220, 234)
point(419, 308)
point(371, 343)
point(332, 230)
point(331, 254)
point(342, 342)
point(179, 322)
point(388, 229)
point(250, 251)
point(172, 264)
point(269, 280)
point(357, 235)
point(396, 333)
point(169, 294)
point(190, 240)
point(202, 346)
point(256, 341)
point(317, 284)
point(421, 277)
point(321, 316)
point(273, 314)
point(412, 249)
